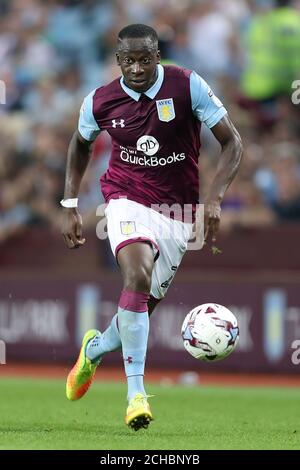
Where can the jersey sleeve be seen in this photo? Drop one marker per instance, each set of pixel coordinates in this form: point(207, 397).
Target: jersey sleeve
point(87, 125)
point(205, 105)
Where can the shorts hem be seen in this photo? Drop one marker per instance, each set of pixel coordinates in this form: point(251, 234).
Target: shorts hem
point(135, 240)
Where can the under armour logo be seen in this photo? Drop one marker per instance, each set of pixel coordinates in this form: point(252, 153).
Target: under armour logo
point(128, 359)
point(116, 123)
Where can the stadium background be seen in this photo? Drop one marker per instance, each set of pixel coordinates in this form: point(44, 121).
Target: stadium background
point(52, 53)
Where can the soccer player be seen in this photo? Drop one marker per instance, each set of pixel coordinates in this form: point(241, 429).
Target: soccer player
point(153, 115)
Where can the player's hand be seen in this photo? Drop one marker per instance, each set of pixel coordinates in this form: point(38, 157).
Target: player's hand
point(72, 228)
point(212, 215)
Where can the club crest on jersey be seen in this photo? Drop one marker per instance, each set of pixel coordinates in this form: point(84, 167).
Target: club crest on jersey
point(127, 227)
point(165, 109)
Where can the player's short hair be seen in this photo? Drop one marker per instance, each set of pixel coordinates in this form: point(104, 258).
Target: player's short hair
point(138, 31)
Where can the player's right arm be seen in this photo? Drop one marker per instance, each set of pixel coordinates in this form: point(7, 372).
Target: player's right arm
point(77, 160)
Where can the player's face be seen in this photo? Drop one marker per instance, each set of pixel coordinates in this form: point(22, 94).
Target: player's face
point(138, 58)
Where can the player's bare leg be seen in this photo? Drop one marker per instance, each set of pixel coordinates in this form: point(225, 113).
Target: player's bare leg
point(136, 262)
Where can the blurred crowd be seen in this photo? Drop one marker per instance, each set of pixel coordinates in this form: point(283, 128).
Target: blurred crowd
point(53, 53)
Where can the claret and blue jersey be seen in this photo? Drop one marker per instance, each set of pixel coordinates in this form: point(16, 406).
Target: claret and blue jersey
point(155, 135)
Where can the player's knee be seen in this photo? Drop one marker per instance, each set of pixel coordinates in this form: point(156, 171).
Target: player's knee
point(138, 279)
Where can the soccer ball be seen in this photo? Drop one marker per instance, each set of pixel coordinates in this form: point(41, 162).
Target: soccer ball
point(210, 332)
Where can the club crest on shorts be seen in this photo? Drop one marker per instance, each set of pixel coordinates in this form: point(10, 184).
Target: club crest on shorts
point(165, 109)
point(127, 227)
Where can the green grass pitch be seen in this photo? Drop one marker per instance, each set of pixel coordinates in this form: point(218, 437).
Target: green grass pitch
point(36, 415)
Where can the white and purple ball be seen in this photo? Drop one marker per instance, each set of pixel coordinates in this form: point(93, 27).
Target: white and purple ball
point(210, 332)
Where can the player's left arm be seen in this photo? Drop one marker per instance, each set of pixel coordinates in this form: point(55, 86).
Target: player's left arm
point(230, 158)
point(210, 110)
